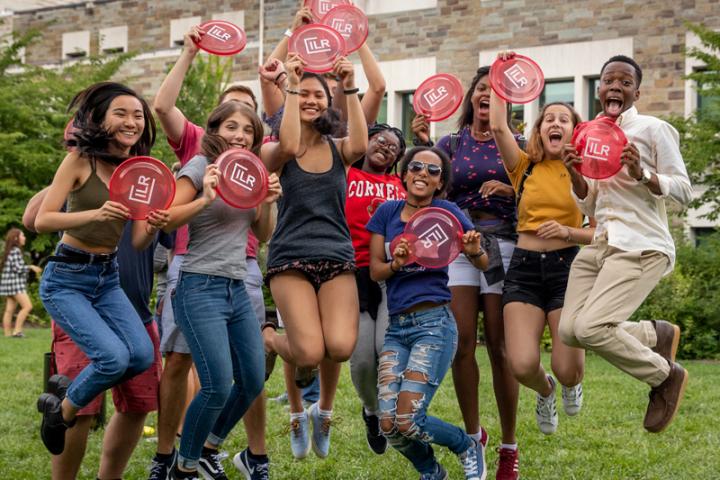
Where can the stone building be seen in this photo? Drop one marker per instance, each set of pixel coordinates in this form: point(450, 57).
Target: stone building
point(412, 39)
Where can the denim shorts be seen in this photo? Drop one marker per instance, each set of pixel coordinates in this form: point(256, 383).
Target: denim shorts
point(539, 278)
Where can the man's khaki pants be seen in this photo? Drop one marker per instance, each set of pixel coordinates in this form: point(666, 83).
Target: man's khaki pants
point(605, 287)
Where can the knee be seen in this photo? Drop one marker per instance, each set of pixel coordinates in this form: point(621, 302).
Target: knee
point(340, 353)
point(568, 376)
point(142, 357)
point(387, 426)
point(27, 309)
point(308, 356)
point(410, 426)
point(524, 369)
point(177, 365)
point(466, 348)
point(566, 331)
point(587, 336)
point(114, 364)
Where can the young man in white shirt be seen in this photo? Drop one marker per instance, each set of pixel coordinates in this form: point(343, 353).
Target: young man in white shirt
point(632, 249)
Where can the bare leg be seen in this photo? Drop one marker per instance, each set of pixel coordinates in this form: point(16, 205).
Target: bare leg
point(67, 465)
point(465, 371)
point(25, 308)
point(505, 385)
point(568, 363)
point(10, 305)
point(254, 421)
point(294, 393)
point(173, 382)
point(524, 325)
point(121, 437)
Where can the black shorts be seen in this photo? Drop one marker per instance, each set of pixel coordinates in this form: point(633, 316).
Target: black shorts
point(539, 278)
point(316, 271)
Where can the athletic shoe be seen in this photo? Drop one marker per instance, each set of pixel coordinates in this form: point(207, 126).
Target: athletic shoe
point(58, 385)
point(176, 474)
point(210, 466)
point(160, 468)
point(439, 474)
point(508, 468)
point(375, 439)
point(546, 412)
point(572, 398)
point(300, 436)
point(321, 431)
point(480, 448)
point(469, 462)
point(305, 376)
point(253, 470)
point(665, 400)
point(668, 339)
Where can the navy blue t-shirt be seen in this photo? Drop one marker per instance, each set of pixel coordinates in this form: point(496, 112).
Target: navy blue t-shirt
point(136, 270)
point(413, 284)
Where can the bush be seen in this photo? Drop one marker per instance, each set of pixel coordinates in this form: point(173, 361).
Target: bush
point(689, 297)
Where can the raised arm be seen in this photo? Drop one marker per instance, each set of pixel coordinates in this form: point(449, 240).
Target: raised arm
point(372, 100)
point(355, 144)
point(507, 146)
point(171, 118)
point(273, 80)
point(275, 154)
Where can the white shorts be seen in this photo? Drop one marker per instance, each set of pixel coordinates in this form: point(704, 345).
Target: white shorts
point(462, 273)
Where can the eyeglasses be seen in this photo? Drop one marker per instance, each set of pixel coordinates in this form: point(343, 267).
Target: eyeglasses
point(385, 143)
point(416, 166)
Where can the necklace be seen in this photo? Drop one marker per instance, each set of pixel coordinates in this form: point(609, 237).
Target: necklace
point(416, 206)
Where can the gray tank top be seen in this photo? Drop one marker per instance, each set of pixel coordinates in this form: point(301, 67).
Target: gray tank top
point(311, 221)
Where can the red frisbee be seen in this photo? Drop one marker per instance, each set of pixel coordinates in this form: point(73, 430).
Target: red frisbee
point(221, 38)
point(319, 45)
point(438, 97)
point(351, 23)
point(517, 80)
point(320, 8)
point(411, 239)
point(243, 178)
point(600, 144)
point(439, 237)
point(142, 184)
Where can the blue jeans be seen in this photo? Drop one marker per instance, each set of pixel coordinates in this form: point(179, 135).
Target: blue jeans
point(88, 303)
point(418, 350)
point(219, 323)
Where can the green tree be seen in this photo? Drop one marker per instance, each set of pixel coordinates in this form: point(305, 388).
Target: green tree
point(700, 134)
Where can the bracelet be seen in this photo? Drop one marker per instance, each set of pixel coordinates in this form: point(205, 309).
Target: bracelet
point(288, 33)
point(291, 92)
point(569, 236)
point(392, 269)
point(476, 255)
point(277, 78)
point(352, 91)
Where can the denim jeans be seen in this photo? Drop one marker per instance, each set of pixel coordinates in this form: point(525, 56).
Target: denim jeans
point(219, 323)
point(419, 344)
point(86, 301)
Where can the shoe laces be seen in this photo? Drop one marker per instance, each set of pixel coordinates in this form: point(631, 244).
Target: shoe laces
point(295, 427)
point(215, 461)
point(546, 406)
point(326, 423)
point(469, 461)
point(156, 468)
point(507, 462)
point(572, 394)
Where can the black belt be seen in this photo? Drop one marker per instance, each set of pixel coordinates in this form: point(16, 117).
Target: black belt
point(70, 256)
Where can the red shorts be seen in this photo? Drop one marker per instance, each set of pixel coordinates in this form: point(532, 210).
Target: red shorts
point(137, 395)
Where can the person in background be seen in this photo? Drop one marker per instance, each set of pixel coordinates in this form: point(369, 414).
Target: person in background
point(13, 283)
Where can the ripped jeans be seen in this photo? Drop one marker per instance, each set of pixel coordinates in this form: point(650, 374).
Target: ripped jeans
point(418, 350)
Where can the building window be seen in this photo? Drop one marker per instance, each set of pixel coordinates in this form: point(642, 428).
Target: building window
point(558, 91)
point(706, 102)
point(378, 7)
point(594, 106)
point(76, 44)
point(237, 17)
point(113, 40)
point(179, 27)
point(408, 114)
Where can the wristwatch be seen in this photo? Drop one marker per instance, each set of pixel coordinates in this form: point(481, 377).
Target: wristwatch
point(646, 176)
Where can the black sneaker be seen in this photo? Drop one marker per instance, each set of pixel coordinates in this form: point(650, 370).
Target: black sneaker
point(161, 467)
point(252, 469)
point(58, 385)
point(176, 474)
point(210, 466)
point(52, 428)
point(375, 440)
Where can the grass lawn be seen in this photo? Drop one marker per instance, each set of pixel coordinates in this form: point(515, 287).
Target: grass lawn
point(606, 441)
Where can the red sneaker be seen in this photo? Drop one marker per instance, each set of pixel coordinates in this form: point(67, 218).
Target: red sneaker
point(507, 464)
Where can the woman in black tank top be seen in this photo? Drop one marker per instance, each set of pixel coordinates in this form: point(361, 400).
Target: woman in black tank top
point(310, 262)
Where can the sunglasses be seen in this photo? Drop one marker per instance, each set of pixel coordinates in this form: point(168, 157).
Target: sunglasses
point(416, 166)
point(385, 143)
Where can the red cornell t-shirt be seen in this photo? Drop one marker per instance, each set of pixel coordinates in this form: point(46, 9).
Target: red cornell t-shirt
point(186, 149)
point(365, 193)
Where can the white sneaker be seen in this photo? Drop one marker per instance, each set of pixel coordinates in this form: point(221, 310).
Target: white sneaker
point(546, 412)
point(572, 399)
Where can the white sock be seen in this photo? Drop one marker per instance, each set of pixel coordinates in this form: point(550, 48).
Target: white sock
point(509, 446)
point(324, 413)
point(295, 416)
point(476, 436)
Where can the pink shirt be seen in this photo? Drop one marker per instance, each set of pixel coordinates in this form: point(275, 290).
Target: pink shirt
point(187, 148)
